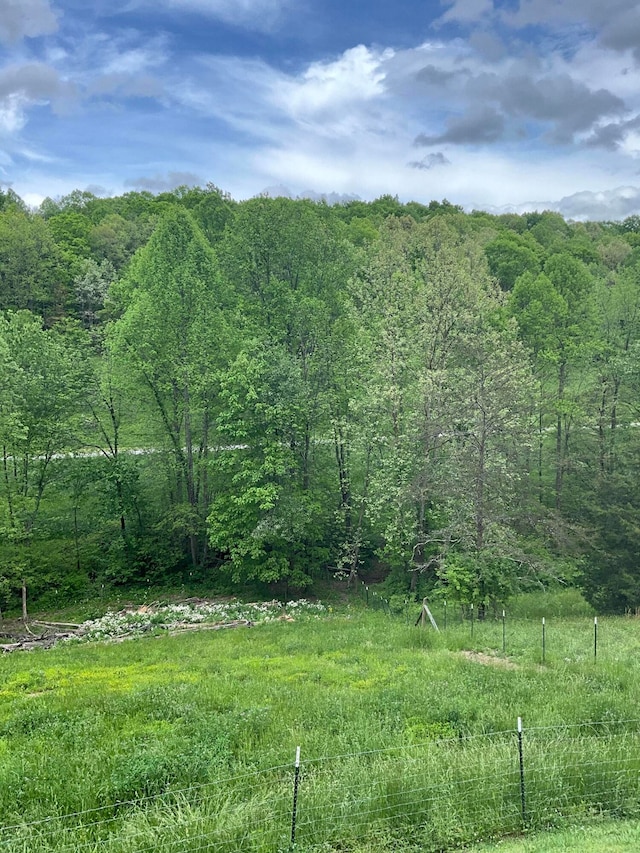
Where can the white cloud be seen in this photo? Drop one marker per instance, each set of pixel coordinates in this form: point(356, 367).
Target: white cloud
point(12, 115)
point(36, 156)
point(604, 205)
point(125, 85)
point(326, 88)
point(33, 81)
point(259, 15)
point(336, 99)
point(237, 92)
point(99, 66)
point(608, 204)
point(333, 97)
point(595, 13)
point(125, 65)
point(467, 11)
point(25, 19)
point(592, 62)
point(631, 145)
point(132, 61)
point(22, 86)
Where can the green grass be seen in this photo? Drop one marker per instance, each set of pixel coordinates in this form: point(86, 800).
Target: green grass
point(204, 727)
point(609, 837)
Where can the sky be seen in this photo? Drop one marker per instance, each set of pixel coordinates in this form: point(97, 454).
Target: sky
point(499, 105)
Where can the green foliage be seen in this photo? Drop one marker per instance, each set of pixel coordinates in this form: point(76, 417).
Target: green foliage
point(40, 404)
point(263, 522)
point(511, 255)
point(273, 388)
point(33, 274)
point(210, 207)
point(115, 239)
point(562, 602)
point(71, 230)
point(479, 580)
point(174, 334)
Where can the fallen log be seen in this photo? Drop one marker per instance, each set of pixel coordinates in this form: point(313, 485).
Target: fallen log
point(198, 626)
point(28, 645)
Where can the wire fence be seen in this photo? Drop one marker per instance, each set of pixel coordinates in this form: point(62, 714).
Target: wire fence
point(493, 627)
point(435, 794)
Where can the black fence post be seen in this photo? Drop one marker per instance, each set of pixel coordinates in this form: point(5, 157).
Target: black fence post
point(296, 782)
point(523, 802)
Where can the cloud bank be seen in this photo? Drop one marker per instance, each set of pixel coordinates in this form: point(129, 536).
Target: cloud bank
point(487, 104)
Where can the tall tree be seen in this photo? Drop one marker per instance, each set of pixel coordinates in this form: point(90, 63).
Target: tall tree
point(555, 314)
point(427, 301)
point(174, 333)
point(289, 267)
point(32, 271)
point(40, 404)
point(487, 484)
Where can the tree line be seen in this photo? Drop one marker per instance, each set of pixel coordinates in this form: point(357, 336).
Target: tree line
point(260, 391)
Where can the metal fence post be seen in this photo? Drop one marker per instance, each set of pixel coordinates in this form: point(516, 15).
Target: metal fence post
point(523, 804)
point(296, 782)
point(504, 634)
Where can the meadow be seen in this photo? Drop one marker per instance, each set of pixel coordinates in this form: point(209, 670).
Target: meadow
point(408, 737)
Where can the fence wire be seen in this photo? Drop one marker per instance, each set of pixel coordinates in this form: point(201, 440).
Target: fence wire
point(435, 794)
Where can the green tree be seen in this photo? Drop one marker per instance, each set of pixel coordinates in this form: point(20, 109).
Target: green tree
point(211, 208)
point(487, 482)
point(267, 521)
point(41, 402)
point(116, 239)
point(32, 272)
point(289, 266)
point(609, 576)
point(427, 302)
point(510, 255)
point(555, 314)
point(91, 286)
point(174, 334)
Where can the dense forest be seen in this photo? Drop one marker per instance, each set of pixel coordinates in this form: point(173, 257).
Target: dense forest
point(258, 392)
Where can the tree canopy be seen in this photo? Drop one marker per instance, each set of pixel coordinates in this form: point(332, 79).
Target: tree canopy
point(266, 390)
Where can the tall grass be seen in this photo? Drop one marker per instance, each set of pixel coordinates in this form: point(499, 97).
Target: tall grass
point(193, 737)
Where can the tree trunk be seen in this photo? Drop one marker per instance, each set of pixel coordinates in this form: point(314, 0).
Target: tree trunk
point(560, 462)
point(602, 441)
point(343, 479)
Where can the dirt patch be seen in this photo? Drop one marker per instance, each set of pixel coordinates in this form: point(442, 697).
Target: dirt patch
point(489, 660)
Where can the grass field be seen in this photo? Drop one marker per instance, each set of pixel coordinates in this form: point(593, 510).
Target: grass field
point(408, 737)
point(608, 837)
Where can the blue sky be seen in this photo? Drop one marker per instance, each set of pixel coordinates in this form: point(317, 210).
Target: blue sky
point(493, 104)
